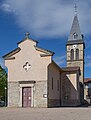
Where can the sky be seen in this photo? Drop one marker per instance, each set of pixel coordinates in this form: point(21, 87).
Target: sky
point(48, 21)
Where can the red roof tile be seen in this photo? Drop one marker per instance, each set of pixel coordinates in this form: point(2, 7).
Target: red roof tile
point(87, 80)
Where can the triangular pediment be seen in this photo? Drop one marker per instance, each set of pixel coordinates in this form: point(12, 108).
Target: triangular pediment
point(26, 46)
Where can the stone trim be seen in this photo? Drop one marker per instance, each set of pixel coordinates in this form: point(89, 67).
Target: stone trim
point(44, 51)
point(44, 55)
point(27, 82)
point(8, 55)
point(74, 60)
point(11, 58)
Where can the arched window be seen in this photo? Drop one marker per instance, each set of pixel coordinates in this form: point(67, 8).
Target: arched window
point(72, 54)
point(77, 54)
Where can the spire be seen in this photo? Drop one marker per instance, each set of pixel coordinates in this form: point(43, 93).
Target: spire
point(75, 33)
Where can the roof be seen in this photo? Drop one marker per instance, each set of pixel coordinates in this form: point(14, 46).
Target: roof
point(71, 69)
point(44, 50)
point(26, 39)
point(87, 80)
point(8, 55)
point(57, 65)
point(75, 33)
point(75, 42)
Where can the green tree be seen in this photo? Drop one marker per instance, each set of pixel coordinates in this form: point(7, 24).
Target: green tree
point(3, 83)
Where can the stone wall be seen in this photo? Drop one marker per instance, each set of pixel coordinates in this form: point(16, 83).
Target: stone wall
point(13, 94)
point(40, 94)
point(54, 102)
point(70, 94)
point(80, 62)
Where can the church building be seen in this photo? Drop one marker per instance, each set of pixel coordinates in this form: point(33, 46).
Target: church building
point(35, 80)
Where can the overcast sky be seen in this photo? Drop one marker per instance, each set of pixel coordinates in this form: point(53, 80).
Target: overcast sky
point(47, 20)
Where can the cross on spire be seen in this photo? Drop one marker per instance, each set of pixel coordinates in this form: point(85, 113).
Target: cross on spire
point(27, 66)
point(27, 35)
point(75, 8)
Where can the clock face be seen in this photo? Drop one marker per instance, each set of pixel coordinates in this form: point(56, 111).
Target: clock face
point(74, 46)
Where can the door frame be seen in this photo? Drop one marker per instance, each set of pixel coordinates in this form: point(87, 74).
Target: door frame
point(32, 93)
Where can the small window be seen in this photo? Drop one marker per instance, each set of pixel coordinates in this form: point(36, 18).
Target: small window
point(52, 83)
point(58, 85)
point(75, 36)
point(72, 54)
point(77, 54)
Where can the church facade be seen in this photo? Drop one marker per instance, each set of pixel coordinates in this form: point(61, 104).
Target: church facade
point(35, 80)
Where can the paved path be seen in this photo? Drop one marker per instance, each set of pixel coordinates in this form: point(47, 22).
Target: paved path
point(45, 113)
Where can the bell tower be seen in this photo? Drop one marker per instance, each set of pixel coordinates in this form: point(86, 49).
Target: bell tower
point(75, 48)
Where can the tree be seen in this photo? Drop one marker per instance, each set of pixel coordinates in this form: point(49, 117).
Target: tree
point(3, 83)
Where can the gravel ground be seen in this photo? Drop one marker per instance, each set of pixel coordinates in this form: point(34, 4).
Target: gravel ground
point(45, 113)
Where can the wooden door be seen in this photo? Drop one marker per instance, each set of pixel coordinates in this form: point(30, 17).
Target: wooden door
point(26, 97)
